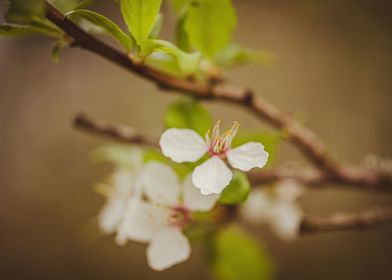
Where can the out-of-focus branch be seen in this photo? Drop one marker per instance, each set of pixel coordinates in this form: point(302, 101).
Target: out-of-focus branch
point(116, 132)
point(302, 137)
point(308, 177)
point(345, 221)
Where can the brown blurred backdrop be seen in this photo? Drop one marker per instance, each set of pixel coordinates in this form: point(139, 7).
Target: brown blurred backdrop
point(334, 71)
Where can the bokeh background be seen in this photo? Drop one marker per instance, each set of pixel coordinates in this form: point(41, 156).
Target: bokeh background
point(334, 72)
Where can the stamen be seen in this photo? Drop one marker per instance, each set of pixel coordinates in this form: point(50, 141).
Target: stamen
point(219, 144)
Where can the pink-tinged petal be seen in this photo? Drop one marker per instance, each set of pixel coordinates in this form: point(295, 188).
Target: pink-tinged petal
point(141, 221)
point(167, 248)
point(248, 156)
point(182, 145)
point(160, 183)
point(194, 200)
point(212, 176)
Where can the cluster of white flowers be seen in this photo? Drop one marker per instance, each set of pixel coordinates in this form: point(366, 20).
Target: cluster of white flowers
point(277, 207)
point(150, 204)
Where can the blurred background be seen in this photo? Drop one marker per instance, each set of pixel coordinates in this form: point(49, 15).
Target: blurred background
point(334, 71)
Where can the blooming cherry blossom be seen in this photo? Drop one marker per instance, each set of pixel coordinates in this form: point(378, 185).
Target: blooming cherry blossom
point(123, 185)
point(213, 175)
point(277, 208)
point(160, 215)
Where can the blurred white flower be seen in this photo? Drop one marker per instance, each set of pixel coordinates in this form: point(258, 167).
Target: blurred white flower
point(213, 175)
point(123, 186)
point(161, 215)
point(276, 207)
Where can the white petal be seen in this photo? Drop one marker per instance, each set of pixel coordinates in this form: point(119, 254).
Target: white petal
point(111, 215)
point(160, 183)
point(182, 145)
point(167, 248)
point(257, 208)
point(141, 221)
point(289, 190)
point(196, 201)
point(248, 156)
point(124, 182)
point(286, 220)
point(212, 176)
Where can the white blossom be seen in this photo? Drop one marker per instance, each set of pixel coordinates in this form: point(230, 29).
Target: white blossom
point(159, 216)
point(277, 208)
point(213, 175)
point(122, 187)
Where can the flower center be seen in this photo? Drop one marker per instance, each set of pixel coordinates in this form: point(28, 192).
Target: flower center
point(219, 144)
point(180, 216)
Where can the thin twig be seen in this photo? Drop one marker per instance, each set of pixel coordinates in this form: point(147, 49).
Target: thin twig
point(345, 221)
point(119, 133)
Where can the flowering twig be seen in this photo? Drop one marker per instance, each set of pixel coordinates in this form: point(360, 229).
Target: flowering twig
point(308, 177)
point(297, 133)
point(344, 221)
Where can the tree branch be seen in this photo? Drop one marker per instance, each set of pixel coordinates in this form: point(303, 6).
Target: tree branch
point(119, 133)
point(344, 221)
point(303, 138)
point(307, 177)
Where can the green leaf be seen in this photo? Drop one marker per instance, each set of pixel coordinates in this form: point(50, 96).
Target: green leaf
point(187, 62)
point(237, 256)
point(140, 16)
point(237, 191)
point(210, 24)
point(188, 113)
point(103, 22)
point(157, 27)
point(270, 140)
point(69, 5)
point(166, 63)
point(180, 5)
point(117, 154)
point(14, 30)
point(24, 12)
point(234, 55)
point(57, 47)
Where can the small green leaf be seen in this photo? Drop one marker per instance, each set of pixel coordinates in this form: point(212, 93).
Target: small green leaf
point(117, 154)
point(57, 47)
point(187, 62)
point(109, 26)
point(210, 24)
point(140, 16)
point(180, 5)
point(157, 27)
point(24, 12)
point(69, 5)
point(188, 113)
point(237, 256)
point(234, 55)
point(166, 63)
point(270, 140)
point(14, 30)
point(237, 191)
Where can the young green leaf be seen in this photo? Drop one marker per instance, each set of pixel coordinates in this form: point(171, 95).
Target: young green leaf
point(157, 27)
point(188, 113)
point(103, 22)
point(237, 256)
point(187, 62)
point(24, 12)
point(14, 30)
point(237, 191)
point(234, 55)
point(166, 63)
point(57, 47)
point(210, 24)
point(140, 16)
point(70, 5)
point(116, 154)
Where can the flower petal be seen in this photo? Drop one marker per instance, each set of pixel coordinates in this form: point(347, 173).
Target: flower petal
point(141, 221)
point(111, 215)
point(160, 183)
point(182, 145)
point(167, 248)
point(257, 208)
point(194, 200)
point(212, 176)
point(248, 156)
point(286, 220)
point(289, 190)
